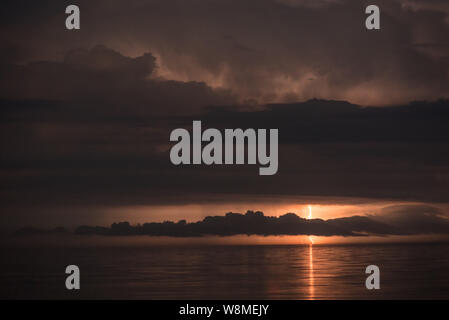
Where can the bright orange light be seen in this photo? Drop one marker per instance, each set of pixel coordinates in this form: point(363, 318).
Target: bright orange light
point(310, 212)
point(310, 217)
point(311, 276)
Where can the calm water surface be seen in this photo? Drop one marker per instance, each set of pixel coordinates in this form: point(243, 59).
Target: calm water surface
point(412, 271)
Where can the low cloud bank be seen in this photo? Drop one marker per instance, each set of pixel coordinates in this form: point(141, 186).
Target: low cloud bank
point(392, 221)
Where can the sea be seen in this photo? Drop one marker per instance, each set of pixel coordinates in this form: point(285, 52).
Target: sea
point(325, 271)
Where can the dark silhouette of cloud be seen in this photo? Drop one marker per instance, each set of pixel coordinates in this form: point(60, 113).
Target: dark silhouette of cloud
point(255, 223)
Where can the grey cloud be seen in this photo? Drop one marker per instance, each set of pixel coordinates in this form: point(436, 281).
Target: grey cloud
point(103, 80)
point(287, 44)
point(415, 219)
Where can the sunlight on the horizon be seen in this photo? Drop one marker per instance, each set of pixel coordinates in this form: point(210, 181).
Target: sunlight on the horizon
point(310, 209)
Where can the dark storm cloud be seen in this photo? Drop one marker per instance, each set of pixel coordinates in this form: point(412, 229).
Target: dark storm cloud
point(102, 80)
point(103, 150)
point(269, 50)
point(90, 126)
point(93, 129)
point(322, 121)
point(336, 148)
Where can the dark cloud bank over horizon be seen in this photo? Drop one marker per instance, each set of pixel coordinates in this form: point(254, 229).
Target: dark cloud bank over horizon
point(402, 220)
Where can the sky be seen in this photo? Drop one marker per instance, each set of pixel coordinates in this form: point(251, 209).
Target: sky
point(86, 114)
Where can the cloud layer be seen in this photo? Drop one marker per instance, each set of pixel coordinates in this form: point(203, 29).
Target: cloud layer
point(272, 51)
point(93, 130)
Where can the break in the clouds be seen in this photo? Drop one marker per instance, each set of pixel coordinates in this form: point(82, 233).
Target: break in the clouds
point(263, 51)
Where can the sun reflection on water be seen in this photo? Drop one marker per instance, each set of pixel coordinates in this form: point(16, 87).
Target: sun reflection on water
point(311, 278)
